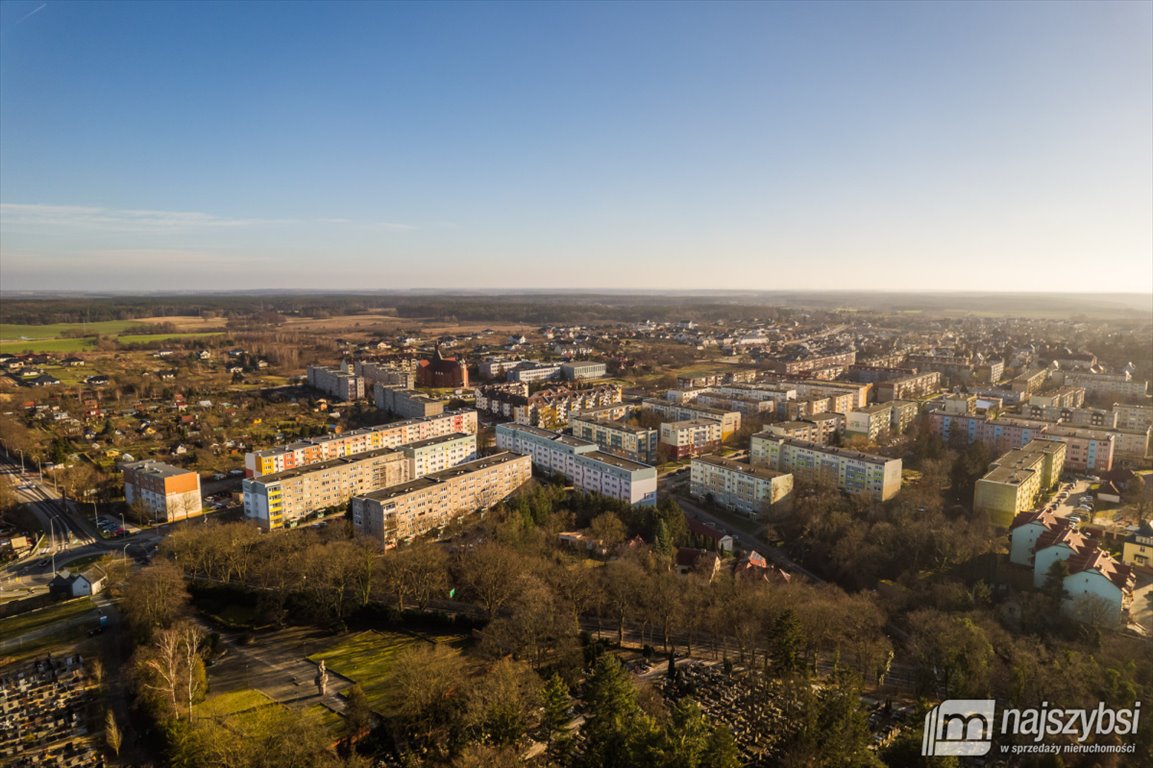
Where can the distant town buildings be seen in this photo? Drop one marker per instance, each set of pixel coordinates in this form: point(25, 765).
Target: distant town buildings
point(551, 407)
point(406, 403)
point(340, 383)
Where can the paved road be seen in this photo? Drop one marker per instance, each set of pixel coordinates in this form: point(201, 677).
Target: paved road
point(274, 663)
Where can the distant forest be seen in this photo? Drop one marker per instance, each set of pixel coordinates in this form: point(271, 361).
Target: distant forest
point(542, 308)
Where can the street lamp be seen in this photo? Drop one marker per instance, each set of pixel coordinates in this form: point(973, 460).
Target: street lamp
point(21, 452)
point(124, 552)
point(52, 532)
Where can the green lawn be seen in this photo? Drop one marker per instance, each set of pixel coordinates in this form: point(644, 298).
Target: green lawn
point(225, 704)
point(49, 345)
point(366, 658)
point(24, 622)
point(10, 331)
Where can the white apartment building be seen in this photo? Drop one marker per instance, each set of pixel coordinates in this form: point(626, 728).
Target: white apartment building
point(340, 383)
point(437, 454)
point(750, 490)
point(583, 369)
point(695, 437)
point(588, 468)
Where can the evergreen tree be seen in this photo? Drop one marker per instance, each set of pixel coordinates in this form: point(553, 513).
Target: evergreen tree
point(554, 723)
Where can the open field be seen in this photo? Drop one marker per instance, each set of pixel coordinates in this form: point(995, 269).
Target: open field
point(14, 332)
point(46, 345)
point(186, 323)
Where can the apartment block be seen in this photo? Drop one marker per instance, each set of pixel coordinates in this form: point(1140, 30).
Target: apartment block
point(1076, 417)
point(1107, 385)
point(903, 413)
point(437, 454)
point(588, 468)
point(750, 490)
point(909, 387)
point(340, 383)
point(847, 395)
point(1000, 435)
point(874, 374)
point(730, 421)
point(283, 499)
point(746, 406)
point(1089, 450)
point(394, 373)
point(820, 429)
point(1061, 397)
point(871, 421)
point(406, 403)
point(402, 512)
point(1138, 417)
point(694, 437)
point(637, 443)
point(878, 477)
point(551, 408)
point(311, 451)
point(583, 369)
point(795, 366)
point(165, 492)
point(1030, 381)
point(1016, 481)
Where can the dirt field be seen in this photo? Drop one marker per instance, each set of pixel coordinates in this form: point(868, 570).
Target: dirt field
point(187, 323)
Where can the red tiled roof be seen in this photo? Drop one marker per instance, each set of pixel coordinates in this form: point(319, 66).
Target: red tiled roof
point(1066, 534)
point(1044, 517)
point(1096, 559)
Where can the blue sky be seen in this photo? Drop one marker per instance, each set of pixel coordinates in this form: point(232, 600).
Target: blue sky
point(908, 146)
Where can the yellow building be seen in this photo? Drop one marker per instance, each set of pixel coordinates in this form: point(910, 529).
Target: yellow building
point(1016, 480)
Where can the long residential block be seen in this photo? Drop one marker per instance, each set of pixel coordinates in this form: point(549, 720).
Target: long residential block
point(637, 443)
point(878, 477)
point(311, 451)
point(730, 421)
point(588, 468)
point(402, 512)
point(283, 499)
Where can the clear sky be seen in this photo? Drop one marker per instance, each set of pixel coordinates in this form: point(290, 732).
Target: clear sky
point(821, 145)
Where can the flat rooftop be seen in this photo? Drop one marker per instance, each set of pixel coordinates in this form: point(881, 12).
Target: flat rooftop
point(436, 440)
point(320, 466)
point(739, 466)
point(818, 448)
point(616, 461)
point(439, 478)
point(157, 468)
